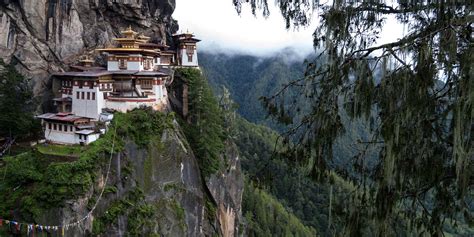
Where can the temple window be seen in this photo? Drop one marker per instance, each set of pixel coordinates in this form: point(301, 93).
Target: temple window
point(93, 95)
point(189, 49)
point(190, 57)
point(49, 126)
point(88, 95)
point(146, 84)
point(82, 95)
point(77, 95)
point(122, 64)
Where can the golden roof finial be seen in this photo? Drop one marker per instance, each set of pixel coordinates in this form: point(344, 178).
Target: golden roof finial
point(129, 33)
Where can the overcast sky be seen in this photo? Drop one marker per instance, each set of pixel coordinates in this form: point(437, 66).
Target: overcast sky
point(220, 28)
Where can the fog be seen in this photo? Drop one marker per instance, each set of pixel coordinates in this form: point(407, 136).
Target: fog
point(222, 30)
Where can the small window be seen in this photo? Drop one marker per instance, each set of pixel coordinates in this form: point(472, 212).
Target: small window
point(49, 126)
point(88, 95)
point(122, 64)
point(60, 127)
point(93, 95)
point(82, 95)
point(55, 127)
point(190, 58)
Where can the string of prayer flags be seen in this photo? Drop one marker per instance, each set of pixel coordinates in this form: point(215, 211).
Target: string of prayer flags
point(32, 228)
point(41, 228)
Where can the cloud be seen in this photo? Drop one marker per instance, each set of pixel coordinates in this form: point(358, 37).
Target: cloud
point(221, 29)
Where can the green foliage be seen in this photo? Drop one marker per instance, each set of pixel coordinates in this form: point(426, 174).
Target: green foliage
point(33, 183)
point(205, 132)
point(309, 201)
point(59, 150)
point(139, 214)
point(248, 78)
point(265, 216)
point(16, 104)
point(141, 124)
point(419, 86)
point(110, 189)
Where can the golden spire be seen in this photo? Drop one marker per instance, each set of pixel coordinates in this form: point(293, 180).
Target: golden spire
point(86, 61)
point(129, 33)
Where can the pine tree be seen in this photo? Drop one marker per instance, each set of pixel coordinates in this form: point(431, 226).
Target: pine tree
point(418, 92)
point(16, 104)
point(206, 133)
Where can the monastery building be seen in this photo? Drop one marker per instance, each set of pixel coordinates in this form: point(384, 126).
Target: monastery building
point(136, 75)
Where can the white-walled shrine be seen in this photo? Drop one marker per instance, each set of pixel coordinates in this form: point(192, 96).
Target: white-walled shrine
point(135, 75)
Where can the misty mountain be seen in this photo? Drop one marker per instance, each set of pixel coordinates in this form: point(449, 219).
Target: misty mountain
point(249, 77)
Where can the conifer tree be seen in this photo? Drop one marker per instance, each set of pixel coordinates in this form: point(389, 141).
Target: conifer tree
point(418, 92)
point(206, 133)
point(16, 104)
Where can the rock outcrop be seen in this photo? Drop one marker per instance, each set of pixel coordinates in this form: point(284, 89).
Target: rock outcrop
point(43, 36)
point(226, 188)
point(172, 199)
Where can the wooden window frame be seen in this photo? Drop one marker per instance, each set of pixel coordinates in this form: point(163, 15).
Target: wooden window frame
point(122, 63)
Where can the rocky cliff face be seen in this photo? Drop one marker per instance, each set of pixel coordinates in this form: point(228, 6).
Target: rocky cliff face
point(42, 36)
point(226, 188)
point(157, 190)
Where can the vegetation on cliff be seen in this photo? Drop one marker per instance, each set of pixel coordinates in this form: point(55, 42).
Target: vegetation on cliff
point(266, 216)
point(40, 180)
point(420, 86)
point(16, 104)
point(205, 130)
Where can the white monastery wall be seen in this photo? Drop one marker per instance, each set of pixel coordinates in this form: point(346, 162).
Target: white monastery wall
point(184, 59)
point(84, 107)
point(112, 66)
point(60, 136)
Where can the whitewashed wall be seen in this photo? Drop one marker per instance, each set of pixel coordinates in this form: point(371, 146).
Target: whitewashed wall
point(184, 59)
point(84, 107)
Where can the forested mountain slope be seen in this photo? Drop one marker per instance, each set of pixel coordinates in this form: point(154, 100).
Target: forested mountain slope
point(322, 206)
point(248, 78)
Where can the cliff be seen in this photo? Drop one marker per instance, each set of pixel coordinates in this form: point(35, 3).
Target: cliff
point(151, 185)
point(43, 36)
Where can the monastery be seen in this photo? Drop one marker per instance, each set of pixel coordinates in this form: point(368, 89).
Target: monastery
point(136, 75)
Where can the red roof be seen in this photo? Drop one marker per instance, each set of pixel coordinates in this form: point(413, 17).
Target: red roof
point(62, 117)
